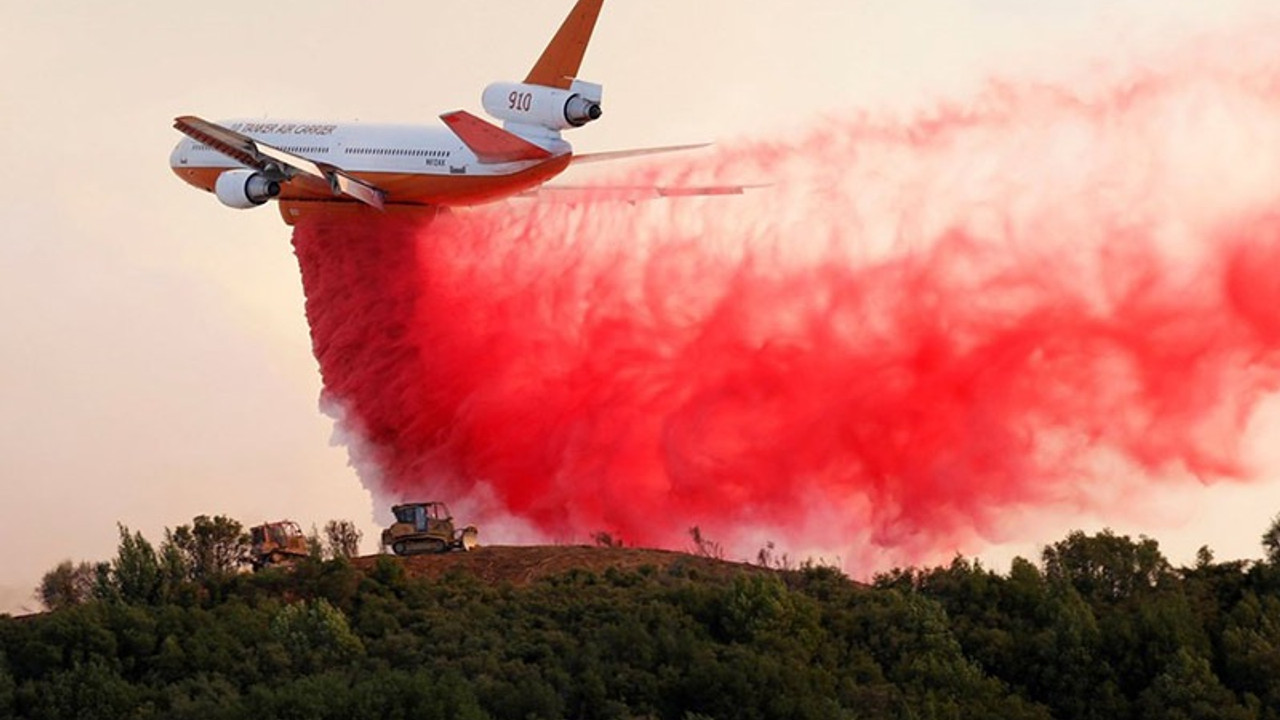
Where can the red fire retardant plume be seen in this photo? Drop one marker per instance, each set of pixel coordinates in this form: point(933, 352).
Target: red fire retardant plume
point(923, 331)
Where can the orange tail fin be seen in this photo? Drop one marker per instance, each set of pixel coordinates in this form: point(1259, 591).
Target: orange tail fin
point(559, 63)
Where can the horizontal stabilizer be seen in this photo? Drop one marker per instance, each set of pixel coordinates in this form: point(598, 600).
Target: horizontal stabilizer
point(629, 193)
point(640, 152)
point(490, 143)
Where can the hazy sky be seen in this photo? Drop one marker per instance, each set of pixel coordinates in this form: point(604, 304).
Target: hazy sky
point(154, 360)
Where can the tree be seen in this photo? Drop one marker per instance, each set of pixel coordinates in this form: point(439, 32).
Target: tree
point(67, 584)
point(704, 546)
point(315, 634)
point(1271, 541)
point(315, 546)
point(605, 539)
point(1106, 566)
point(769, 557)
point(1188, 690)
point(210, 547)
point(1204, 557)
point(89, 689)
point(174, 570)
point(1251, 648)
point(7, 688)
point(342, 539)
point(135, 571)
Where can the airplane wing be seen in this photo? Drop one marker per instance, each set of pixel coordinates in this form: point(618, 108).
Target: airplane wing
point(630, 194)
point(274, 161)
point(624, 154)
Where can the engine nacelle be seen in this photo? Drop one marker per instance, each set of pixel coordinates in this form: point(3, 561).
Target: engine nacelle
point(547, 107)
point(244, 189)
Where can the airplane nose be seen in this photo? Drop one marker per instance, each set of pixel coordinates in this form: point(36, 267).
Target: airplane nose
point(178, 158)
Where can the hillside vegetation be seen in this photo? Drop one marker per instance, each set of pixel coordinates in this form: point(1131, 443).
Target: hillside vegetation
point(1102, 627)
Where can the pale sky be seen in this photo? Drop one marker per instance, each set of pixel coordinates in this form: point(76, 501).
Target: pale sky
point(155, 363)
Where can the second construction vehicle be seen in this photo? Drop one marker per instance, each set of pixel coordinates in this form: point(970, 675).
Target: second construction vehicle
point(426, 527)
point(277, 543)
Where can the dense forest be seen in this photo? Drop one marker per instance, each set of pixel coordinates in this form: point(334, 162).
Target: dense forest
point(1102, 627)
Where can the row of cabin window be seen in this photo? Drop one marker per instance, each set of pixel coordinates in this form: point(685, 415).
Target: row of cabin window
point(357, 151)
point(318, 149)
point(397, 151)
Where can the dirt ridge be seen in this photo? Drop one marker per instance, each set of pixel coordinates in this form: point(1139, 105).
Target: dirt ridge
point(521, 565)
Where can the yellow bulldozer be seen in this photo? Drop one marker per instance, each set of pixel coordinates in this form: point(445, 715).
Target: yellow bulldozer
point(276, 543)
point(426, 527)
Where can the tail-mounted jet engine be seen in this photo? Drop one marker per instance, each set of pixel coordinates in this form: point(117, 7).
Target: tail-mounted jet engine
point(547, 107)
point(245, 189)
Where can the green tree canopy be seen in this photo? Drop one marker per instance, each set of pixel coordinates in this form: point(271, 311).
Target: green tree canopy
point(1106, 566)
point(67, 584)
point(210, 547)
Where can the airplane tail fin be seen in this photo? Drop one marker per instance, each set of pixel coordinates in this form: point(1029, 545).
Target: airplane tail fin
point(552, 98)
point(559, 63)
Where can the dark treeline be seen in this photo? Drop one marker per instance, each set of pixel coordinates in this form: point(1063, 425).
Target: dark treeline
point(1102, 627)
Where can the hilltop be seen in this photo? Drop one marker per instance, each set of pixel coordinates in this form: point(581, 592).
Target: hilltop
point(1103, 626)
point(520, 565)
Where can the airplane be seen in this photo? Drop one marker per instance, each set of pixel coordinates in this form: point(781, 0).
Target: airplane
point(309, 167)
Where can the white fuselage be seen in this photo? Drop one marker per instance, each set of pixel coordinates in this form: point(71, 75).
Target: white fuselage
point(414, 165)
point(360, 148)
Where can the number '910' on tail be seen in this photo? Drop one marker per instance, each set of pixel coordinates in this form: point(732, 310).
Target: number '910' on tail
point(552, 98)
